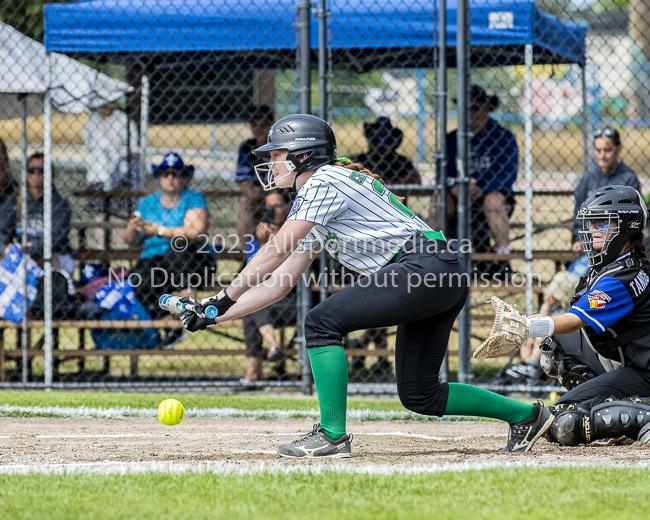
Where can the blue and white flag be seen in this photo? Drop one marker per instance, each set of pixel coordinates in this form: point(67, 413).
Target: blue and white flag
point(12, 282)
point(118, 297)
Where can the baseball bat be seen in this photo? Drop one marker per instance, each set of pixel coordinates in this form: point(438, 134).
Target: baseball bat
point(173, 304)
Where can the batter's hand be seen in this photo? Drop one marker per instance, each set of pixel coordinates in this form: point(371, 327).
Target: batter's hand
point(221, 301)
point(192, 320)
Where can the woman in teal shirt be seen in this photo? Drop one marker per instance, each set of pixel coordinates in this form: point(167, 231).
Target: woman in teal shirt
point(169, 224)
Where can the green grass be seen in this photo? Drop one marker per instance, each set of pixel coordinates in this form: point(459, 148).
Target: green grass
point(544, 493)
point(114, 400)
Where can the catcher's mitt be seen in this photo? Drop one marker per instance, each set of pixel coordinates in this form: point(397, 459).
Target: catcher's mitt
point(509, 331)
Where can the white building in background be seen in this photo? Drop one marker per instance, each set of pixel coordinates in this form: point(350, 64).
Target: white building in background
point(399, 98)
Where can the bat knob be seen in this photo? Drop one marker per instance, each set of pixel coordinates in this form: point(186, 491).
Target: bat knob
point(211, 312)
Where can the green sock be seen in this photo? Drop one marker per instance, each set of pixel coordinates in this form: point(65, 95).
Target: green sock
point(471, 400)
point(330, 369)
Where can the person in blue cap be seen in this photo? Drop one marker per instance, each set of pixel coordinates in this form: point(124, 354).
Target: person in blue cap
point(166, 266)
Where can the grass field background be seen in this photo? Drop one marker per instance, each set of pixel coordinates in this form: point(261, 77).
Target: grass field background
point(542, 493)
point(118, 400)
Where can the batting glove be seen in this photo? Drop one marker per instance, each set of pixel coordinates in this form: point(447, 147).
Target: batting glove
point(221, 301)
point(193, 320)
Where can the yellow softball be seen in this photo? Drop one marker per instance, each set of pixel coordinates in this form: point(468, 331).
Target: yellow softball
point(554, 396)
point(171, 412)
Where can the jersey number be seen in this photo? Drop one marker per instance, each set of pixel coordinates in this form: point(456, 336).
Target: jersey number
point(379, 188)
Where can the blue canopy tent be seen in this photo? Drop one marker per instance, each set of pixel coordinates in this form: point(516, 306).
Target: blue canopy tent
point(363, 35)
point(381, 33)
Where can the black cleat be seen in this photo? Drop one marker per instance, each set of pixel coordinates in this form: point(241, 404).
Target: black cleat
point(524, 434)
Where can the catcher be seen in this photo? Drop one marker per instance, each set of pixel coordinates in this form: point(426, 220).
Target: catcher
point(600, 349)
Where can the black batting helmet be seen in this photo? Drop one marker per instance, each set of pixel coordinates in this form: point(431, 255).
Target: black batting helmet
point(301, 133)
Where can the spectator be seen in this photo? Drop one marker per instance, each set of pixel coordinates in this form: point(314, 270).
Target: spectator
point(557, 300)
point(8, 188)
point(493, 163)
point(260, 325)
point(10, 217)
point(174, 211)
point(609, 170)
point(252, 195)
point(382, 158)
point(106, 142)
point(107, 168)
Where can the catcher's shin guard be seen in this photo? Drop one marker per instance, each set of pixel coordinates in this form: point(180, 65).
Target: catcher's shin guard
point(571, 426)
point(583, 423)
point(615, 418)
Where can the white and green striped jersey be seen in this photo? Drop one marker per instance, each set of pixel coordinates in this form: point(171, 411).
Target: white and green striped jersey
point(358, 221)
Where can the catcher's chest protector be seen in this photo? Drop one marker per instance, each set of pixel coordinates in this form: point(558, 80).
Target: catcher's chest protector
point(632, 332)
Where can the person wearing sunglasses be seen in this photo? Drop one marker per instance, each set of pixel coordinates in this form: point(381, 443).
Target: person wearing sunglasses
point(171, 226)
point(8, 188)
point(608, 170)
point(10, 218)
point(493, 162)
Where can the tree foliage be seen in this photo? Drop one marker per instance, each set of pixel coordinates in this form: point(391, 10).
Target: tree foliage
point(25, 15)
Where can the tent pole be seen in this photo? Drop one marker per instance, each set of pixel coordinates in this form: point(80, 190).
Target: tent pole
point(23, 237)
point(304, 24)
point(585, 120)
point(322, 113)
point(304, 104)
point(441, 129)
point(528, 162)
point(47, 221)
point(442, 108)
point(144, 126)
point(421, 146)
point(463, 180)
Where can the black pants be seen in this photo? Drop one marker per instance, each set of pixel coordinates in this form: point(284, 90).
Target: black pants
point(279, 314)
point(624, 382)
point(423, 308)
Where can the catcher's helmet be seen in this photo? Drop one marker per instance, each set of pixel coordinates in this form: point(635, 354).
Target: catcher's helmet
point(618, 211)
point(299, 133)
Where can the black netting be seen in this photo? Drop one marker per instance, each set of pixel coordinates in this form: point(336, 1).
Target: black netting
point(156, 111)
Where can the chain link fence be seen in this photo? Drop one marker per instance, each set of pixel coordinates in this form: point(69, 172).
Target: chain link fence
point(143, 117)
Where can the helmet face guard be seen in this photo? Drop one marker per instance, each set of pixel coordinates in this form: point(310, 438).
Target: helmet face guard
point(266, 175)
point(598, 224)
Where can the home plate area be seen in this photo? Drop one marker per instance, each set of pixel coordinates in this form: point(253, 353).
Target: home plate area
point(142, 444)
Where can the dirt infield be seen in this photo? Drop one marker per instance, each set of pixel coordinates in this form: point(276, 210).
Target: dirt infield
point(37, 441)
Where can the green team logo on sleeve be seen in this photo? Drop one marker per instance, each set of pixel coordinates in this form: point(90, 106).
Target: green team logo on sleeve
point(332, 244)
point(357, 177)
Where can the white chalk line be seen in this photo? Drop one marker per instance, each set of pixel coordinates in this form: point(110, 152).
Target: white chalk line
point(279, 434)
point(233, 469)
point(84, 436)
point(83, 412)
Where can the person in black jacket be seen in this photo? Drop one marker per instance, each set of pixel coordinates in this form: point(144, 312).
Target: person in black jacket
point(251, 200)
point(8, 187)
point(10, 217)
point(609, 170)
point(600, 349)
